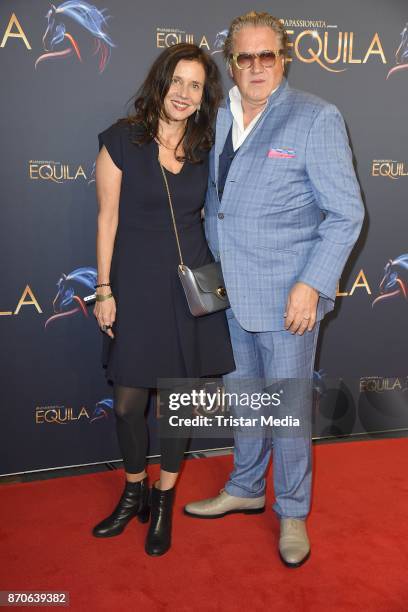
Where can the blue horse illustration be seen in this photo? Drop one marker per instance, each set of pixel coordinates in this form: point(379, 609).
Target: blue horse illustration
point(401, 54)
point(102, 409)
point(395, 280)
point(91, 19)
point(67, 302)
point(219, 41)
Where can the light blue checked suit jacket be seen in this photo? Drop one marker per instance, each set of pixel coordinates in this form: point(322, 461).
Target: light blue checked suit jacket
point(283, 220)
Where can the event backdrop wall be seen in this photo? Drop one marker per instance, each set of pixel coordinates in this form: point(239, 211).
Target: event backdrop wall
point(68, 71)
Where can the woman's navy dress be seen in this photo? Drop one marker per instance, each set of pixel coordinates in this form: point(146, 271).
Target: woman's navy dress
point(156, 336)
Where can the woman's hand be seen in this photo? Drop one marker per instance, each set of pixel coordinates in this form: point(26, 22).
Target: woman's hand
point(105, 312)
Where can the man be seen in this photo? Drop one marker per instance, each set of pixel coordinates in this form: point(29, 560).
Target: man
point(282, 213)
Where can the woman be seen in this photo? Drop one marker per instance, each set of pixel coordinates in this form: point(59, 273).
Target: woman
point(150, 332)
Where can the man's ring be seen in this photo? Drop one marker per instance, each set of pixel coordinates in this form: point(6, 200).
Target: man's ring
point(106, 327)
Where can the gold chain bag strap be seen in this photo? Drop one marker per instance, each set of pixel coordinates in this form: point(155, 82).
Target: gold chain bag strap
point(204, 287)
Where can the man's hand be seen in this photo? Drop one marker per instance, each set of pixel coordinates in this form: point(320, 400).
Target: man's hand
point(301, 307)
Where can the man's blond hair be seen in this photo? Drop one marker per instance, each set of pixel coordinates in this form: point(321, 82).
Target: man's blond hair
point(253, 18)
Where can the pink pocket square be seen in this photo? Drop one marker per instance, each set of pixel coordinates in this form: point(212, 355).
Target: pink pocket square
point(281, 153)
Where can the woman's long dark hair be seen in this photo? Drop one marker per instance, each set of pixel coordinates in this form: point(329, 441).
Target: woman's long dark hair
point(149, 107)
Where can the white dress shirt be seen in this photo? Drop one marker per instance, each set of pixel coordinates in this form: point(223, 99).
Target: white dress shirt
point(239, 133)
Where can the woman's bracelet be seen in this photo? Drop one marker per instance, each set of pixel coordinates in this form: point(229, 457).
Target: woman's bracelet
point(102, 298)
point(102, 285)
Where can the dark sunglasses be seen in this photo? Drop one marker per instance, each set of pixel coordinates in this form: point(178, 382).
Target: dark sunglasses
point(246, 60)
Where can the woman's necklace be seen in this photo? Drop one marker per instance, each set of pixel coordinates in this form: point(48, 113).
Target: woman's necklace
point(160, 143)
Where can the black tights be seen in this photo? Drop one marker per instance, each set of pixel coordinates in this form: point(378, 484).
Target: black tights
point(130, 405)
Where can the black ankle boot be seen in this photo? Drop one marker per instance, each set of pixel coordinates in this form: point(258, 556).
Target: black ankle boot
point(134, 501)
point(158, 538)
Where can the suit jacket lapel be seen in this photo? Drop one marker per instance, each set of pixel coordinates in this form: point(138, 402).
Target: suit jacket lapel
point(224, 122)
point(277, 98)
point(223, 126)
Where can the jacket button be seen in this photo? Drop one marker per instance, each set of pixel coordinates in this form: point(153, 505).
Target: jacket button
point(220, 215)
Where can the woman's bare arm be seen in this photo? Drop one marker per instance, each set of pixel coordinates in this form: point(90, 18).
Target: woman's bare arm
point(108, 182)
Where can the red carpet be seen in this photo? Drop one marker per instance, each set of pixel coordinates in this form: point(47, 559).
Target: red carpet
point(358, 529)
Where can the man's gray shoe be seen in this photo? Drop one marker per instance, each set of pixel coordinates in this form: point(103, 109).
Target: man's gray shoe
point(294, 545)
point(223, 504)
